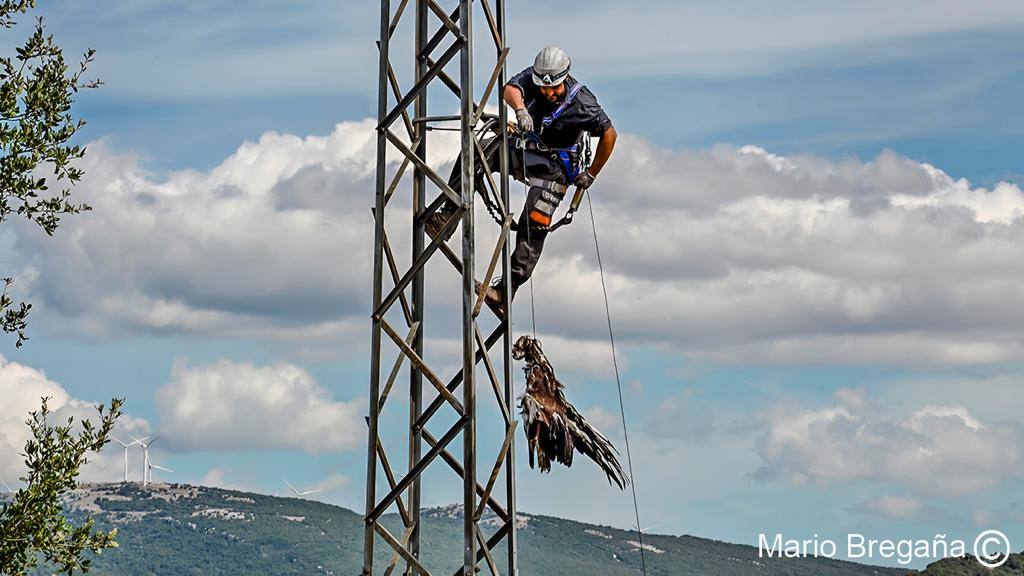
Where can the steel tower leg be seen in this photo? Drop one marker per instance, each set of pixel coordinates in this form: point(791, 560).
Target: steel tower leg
point(437, 422)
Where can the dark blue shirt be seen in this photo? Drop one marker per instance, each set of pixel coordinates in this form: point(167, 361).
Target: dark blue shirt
point(583, 114)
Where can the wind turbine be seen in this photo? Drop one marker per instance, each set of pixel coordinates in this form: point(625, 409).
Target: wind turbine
point(145, 455)
point(644, 530)
point(151, 466)
point(125, 456)
point(6, 487)
point(303, 493)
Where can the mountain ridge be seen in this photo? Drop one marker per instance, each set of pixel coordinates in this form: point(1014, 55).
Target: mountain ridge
point(178, 529)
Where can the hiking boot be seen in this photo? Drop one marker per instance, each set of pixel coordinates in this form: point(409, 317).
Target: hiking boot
point(494, 298)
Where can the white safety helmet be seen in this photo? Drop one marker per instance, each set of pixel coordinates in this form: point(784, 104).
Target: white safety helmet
point(551, 66)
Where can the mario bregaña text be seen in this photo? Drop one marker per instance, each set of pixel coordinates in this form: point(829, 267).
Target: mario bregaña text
point(858, 547)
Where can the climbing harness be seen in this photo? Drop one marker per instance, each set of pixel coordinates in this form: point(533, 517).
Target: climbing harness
point(578, 196)
point(551, 194)
point(572, 160)
point(547, 120)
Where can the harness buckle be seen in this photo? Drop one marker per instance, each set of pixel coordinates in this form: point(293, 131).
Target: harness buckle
point(548, 185)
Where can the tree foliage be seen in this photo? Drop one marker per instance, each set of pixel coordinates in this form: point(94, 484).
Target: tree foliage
point(37, 170)
point(33, 523)
point(37, 90)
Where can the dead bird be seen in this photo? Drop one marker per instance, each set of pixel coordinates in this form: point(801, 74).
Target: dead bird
point(553, 426)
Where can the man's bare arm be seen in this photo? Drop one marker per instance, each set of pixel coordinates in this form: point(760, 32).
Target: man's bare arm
point(514, 97)
point(604, 150)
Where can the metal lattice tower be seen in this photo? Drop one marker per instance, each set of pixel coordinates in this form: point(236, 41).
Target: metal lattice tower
point(399, 295)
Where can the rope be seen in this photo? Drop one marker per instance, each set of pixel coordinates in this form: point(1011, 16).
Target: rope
point(618, 382)
point(533, 309)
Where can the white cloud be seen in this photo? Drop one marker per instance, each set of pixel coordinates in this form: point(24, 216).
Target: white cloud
point(896, 507)
point(22, 388)
point(738, 255)
point(681, 417)
point(237, 405)
point(604, 420)
point(933, 448)
point(727, 254)
point(330, 484)
point(271, 242)
point(591, 359)
point(983, 518)
point(218, 477)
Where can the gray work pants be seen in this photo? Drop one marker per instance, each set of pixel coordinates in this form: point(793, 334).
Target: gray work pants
point(530, 235)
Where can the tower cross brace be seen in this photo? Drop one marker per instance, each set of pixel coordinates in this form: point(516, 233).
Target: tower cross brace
point(440, 413)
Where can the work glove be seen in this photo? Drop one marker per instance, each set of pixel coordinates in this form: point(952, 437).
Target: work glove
point(524, 120)
point(584, 180)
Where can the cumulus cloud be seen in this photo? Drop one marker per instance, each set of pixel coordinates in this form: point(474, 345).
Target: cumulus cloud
point(593, 358)
point(331, 483)
point(22, 388)
point(238, 405)
point(604, 420)
point(896, 507)
point(274, 243)
point(226, 478)
point(681, 417)
point(940, 448)
point(237, 249)
point(740, 255)
point(727, 254)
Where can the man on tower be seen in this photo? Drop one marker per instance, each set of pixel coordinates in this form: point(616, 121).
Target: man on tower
point(561, 111)
point(556, 115)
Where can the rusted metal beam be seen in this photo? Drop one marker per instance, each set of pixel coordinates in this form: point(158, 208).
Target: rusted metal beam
point(509, 435)
point(398, 16)
point(416, 265)
point(386, 465)
point(485, 284)
point(486, 551)
point(493, 377)
point(395, 555)
point(421, 84)
point(435, 48)
point(420, 365)
point(393, 267)
point(400, 548)
point(424, 168)
point(490, 83)
point(454, 464)
point(457, 379)
point(498, 535)
point(413, 330)
point(376, 511)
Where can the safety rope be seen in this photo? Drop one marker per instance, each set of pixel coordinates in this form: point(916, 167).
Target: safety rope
point(618, 382)
point(526, 186)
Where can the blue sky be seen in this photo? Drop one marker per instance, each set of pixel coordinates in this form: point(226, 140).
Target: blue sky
point(808, 295)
